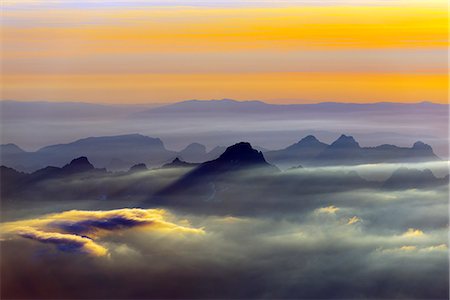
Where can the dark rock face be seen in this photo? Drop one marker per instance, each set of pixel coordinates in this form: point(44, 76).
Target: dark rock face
point(241, 154)
point(240, 157)
point(17, 183)
point(78, 165)
point(11, 180)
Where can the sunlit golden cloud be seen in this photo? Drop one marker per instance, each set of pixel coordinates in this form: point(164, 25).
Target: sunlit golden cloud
point(412, 233)
point(66, 242)
point(327, 210)
point(353, 220)
point(76, 230)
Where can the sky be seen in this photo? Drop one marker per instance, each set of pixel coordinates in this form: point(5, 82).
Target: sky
point(277, 51)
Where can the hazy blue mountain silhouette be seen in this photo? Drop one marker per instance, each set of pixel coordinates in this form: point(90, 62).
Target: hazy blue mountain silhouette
point(347, 151)
point(301, 153)
point(75, 167)
point(65, 110)
point(13, 181)
point(15, 157)
point(229, 107)
point(178, 163)
point(405, 178)
point(194, 152)
point(216, 152)
point(138, 168)
point(103, 151)
point(207, 106)
point(121, 152)
point(344, 150)
point(239, 179)
point(73, 110)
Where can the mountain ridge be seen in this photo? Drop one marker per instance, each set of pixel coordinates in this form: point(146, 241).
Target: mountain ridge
point(120, 152)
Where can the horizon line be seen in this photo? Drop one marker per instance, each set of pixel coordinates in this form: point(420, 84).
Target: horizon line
point(218, 100)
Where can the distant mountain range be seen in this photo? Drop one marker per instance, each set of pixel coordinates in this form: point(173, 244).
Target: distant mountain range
point(11, 109)
point(33, 125)
point(112, 152)
point(346, 151)
point(17, 110)
point(405, 178)
point(239, 168)
point(229, 106)
point(121, 152)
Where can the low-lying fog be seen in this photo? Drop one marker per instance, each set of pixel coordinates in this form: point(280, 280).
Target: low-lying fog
point(253, 242)
point(270, 133)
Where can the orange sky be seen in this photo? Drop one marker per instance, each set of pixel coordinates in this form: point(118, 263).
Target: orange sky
point(297, 51)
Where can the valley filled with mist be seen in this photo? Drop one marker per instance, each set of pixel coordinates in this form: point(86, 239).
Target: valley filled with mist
point(124, 217)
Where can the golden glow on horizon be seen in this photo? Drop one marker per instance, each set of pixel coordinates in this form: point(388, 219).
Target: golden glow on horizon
point(283, 87)
point(38, 42)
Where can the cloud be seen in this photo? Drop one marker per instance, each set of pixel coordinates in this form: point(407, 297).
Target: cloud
point(293, 256)
point(76, 230)
point(327, 210)
point(97, 222)
point(64, 242)
point(411, 233)
point(353, 220)
point(269, 236)
point(407, 248)
point(441, 247)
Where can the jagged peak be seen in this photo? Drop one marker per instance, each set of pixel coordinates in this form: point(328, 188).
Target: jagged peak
point(79, 164)
point(308, 140)
point(243, 152)
point(177, 160)
point(345, 141)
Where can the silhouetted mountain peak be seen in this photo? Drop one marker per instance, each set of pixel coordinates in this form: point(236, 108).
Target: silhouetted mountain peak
point(309, 141)
point(345, 141)
point(309, 138)
point(195, 147)
point(178, 163)
point(411, 178)
point(138, 168)
point(419, 145)
point(194, 152)
point(11, 147)
point(242, 152)
point(80, 164)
